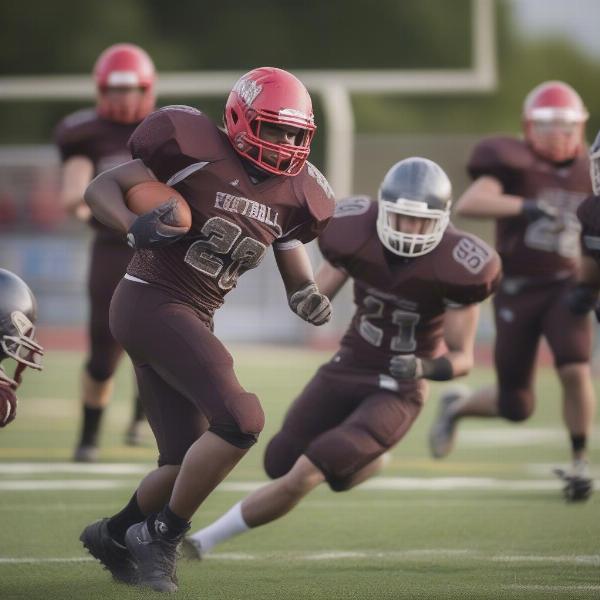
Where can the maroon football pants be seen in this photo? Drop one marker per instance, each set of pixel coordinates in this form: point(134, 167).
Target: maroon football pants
point(108, 262)
point(185, 374)
point(522, 317)
point(343, 420)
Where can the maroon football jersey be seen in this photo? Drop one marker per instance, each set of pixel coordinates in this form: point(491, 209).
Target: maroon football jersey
point(588, 214)
point(84, 133)
point(544, 248)
point(234, 217)
point(400, 302)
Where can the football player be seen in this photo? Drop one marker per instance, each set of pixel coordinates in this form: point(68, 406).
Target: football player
point(91, 141)
point(18, 312)
point(417, 285)
point(249, 187)
point(532, 188)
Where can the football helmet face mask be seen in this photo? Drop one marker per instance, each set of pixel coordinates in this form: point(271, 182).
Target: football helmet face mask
point(18, 312)
point(270, 97)
point(125, 78)
point(413, 207)
point(554, 119)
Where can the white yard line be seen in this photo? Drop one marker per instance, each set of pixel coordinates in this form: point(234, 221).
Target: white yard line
point(417, 555)
point(395, 484)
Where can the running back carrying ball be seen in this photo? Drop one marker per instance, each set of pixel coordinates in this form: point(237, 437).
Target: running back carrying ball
point(145, 197)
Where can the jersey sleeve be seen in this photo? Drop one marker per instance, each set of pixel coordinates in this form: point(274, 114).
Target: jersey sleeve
point(503, 158)
point(588, 213)
point(318, 199)
point(72, 135)
point(348, 231)
point(171, 139)
point(471, 271)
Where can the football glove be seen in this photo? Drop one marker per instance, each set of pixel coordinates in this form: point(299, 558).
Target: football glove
point(582, 298)
point(8, 405)
point(595, 165)
point(406, 366)
point(152, 230)
point(534, 209)
point(309, 304)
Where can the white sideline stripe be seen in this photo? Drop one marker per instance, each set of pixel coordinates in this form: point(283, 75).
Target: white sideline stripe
point(377, 484)
point(333, 555)
point(552, 588)
point(45, 468)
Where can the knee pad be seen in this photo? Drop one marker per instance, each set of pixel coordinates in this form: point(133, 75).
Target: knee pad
point(516, 405)
point(99, 372)
point(281, 454)
point(242, 421)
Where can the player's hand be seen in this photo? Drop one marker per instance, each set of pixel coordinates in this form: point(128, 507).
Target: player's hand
point(406, 366)
point(152, 229)
point(309, 304)
point(534, 209)
point(582, 298)
point(8, 405)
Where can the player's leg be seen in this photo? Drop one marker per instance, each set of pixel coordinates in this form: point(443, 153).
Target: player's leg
point(518, 332)
point(105, 539)
point(344, 456)
point(570, 338)
point(107, 265)
point(182, 350)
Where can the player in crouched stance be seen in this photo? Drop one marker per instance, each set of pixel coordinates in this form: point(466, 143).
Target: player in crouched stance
point(417, 282)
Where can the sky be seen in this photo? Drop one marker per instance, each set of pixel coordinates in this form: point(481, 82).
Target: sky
point(578, 20)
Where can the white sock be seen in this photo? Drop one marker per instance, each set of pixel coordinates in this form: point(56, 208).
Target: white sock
point(229, 525)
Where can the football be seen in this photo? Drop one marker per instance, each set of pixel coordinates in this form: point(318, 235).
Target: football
point(146, 196)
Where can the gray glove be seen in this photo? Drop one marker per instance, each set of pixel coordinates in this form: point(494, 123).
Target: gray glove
point(309, 304)
point(406, 366)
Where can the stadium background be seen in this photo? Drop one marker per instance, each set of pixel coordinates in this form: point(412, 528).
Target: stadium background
point(39, 242)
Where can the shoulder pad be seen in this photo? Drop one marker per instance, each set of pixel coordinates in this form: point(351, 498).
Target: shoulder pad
point(351, 228)
point(320, 179)
point(74, 128)
point(468, 268)
point(499, 157)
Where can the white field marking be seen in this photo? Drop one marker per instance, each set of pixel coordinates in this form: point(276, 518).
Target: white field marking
point(552, 588)
point(43, 468)
point(398, 484)
point(506, 437)
point(27, 561)
point(543, 469)
point(424, 554)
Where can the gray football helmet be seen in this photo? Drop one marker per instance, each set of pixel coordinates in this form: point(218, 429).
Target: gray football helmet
point(419, 189)
point(18, 313)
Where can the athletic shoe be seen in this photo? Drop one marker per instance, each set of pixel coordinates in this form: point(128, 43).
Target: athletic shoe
point(578, 483)
point(443, 430)
point(156, 557)
point(114, 557)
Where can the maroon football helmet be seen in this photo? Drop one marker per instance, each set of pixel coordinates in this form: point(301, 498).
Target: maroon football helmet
point(554, 118)
point(274, 97)
point(125, 77)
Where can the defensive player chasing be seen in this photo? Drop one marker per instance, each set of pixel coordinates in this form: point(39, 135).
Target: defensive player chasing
point(248, 188)
point(91, 141)
point(532, 188)
point(18, 311)
point(417, 282)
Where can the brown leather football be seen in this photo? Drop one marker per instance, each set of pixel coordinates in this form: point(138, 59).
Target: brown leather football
point(146, 196)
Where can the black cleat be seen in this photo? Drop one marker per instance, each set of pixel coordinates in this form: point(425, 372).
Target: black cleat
point(114, 557)
point(133, 435)
point(156, 557)
point(578, 484)
point(85, 454)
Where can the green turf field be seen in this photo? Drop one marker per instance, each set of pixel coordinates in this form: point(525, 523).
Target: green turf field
point(488, 522)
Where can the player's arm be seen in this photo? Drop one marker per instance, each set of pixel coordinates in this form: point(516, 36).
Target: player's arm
point(585, 294)
point(330, 279)
point(76, 174)
point(303, 295)
point(460, 326)
point(485, 199)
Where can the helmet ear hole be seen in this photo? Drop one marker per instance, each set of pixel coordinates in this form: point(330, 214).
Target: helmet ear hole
point(234, 117)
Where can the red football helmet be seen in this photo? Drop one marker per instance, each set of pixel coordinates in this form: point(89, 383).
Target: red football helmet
point(554, 118)
point(125, 76)
point(270, 96)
